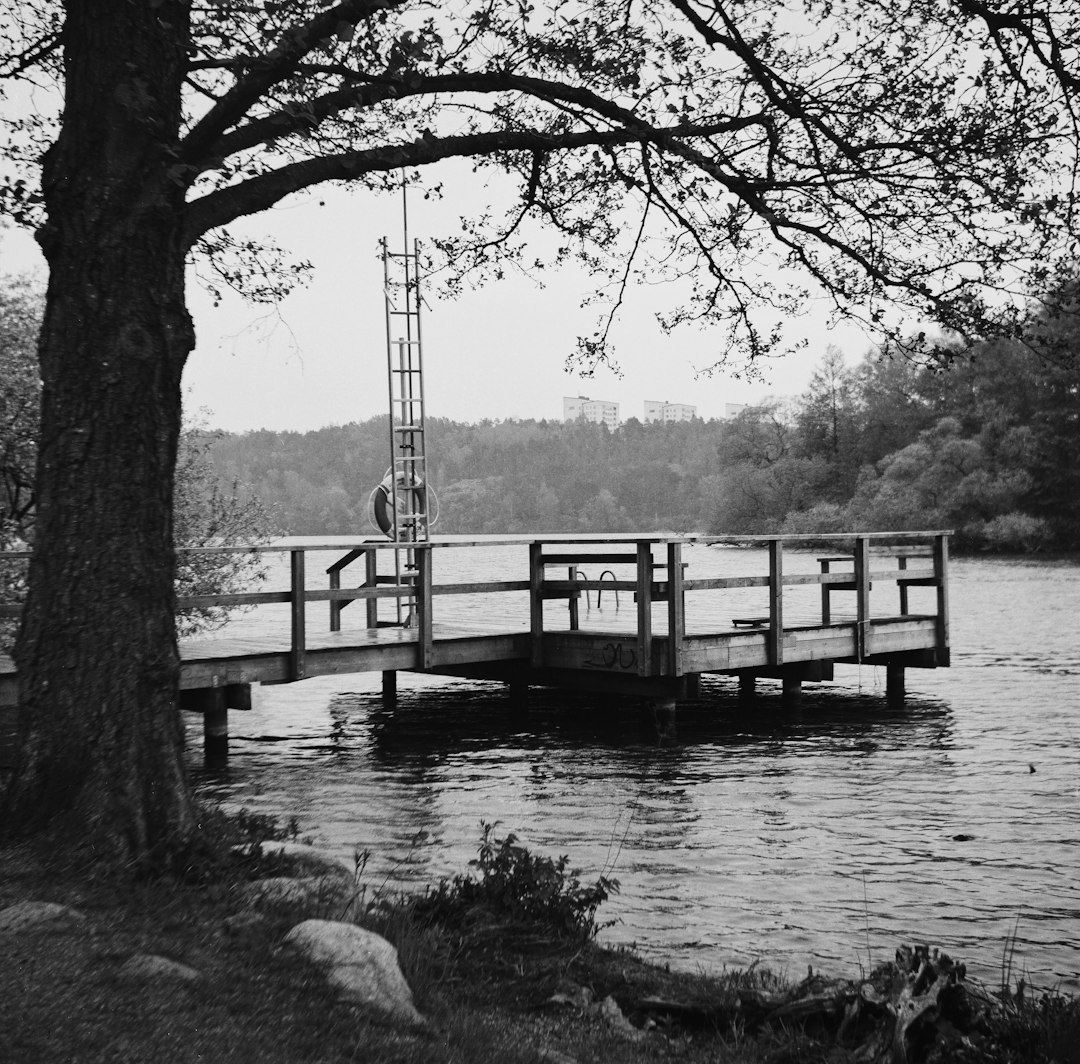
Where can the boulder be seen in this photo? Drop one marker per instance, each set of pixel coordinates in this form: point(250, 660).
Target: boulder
point(39, 916)
point(361, 966)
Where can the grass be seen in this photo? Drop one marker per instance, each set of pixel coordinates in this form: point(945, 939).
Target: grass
point(487, 955)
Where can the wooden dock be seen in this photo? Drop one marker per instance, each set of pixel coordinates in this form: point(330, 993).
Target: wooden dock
point(546, 634)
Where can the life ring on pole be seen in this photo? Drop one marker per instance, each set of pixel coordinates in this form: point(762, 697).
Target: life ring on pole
point(381, 501)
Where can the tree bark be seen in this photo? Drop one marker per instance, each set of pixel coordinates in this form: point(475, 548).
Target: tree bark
point(100, 736)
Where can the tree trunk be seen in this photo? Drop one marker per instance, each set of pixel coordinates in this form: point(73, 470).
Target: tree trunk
point(100, 738)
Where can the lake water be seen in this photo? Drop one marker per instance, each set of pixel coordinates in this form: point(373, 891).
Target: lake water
point(828, 835)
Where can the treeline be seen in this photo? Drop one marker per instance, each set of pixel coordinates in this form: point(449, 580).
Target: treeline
point(990, 447)
point(495, 477)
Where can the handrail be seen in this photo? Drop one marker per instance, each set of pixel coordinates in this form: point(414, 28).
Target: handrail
point(921, 559)
point(443, 543)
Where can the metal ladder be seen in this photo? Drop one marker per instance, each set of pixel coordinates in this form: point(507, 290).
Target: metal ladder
point(408, 489)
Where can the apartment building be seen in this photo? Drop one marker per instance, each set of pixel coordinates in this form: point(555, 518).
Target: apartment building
point(598, 410)
point(665, 411)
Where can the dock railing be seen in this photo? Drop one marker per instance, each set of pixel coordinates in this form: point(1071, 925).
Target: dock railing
point(653, 570)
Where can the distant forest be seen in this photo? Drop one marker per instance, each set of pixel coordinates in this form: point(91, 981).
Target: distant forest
point(989, 447)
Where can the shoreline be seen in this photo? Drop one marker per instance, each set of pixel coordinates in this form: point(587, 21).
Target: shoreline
point(495, 985)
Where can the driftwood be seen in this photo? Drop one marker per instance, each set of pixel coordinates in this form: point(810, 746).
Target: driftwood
point(908, 1011)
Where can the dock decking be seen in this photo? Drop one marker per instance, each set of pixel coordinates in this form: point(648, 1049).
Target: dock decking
point(547, 634)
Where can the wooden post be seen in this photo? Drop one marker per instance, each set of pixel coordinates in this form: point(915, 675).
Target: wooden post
point(747, 681)
point(238, 696)
point(676, 609)
point(776, 602)
point(862, 594)
point(371, 579)
point(644, 608)
point(215, 726)
point(663, 714)
point(299, 635)
point(894, 683)
point(423, 605)
point(389, 687)
point(902, 563)
point(519, 693)
point(826, 596)
point(791, 696)
point(692, 685)
point(941, 575)
point(572, 601)
point(536, 604)
point(335, 604)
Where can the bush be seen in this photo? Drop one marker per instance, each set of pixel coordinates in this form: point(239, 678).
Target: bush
point(538, 893)
point(1016, 533)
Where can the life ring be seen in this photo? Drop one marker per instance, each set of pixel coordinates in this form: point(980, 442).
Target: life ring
point(381, 502)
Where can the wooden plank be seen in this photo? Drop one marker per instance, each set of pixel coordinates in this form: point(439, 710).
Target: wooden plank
point(253, 598)
point(266, 668)
point(490, 587)
point(776, 602)
point(583, 557)
point(615, 653)
point(921, 550)
point(349, 594)
point(894, 638)
point(562, 588)
point(348, 559)
point(297, 615)
point(721, 582)
point(676, 602)
point(644, 608)
point(711, 655)
point(481, 650)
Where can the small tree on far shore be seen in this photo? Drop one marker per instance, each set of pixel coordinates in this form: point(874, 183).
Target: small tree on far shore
point(208, 513)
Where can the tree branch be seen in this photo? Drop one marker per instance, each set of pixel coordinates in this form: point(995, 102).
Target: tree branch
point(30, 57)
point(259, 193)
point(270, 69)
point(378, 89)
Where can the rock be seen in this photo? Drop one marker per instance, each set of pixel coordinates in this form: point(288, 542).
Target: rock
point(361, 966)
point(613, 1016)
point(247, 926)
point(318, 894)
point(149, 968)
point(308, 859)
point(553, 1056)
point(39, 916)
point(567, 992)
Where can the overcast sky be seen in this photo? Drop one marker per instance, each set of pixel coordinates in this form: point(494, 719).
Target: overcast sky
point(498, 352)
